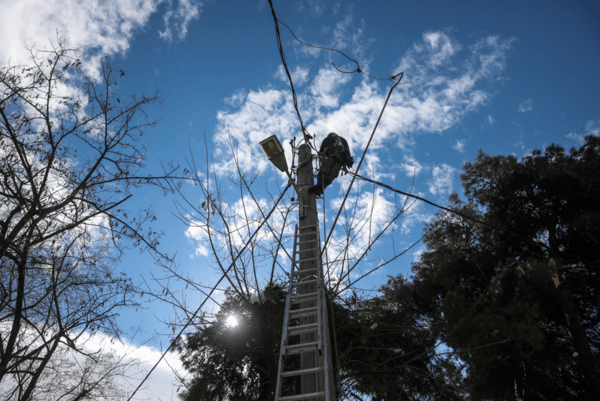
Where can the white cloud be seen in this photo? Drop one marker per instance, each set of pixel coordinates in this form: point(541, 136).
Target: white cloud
point(237, 98)
point(443, 177)
point(325, 88)
point(417, 254)
point(415, 216)
point(459, 145)
point(161, 384)
point(243, 217)
point(491, 120)
point(441, 48)
point(120, 365)
point(591, 128)
point(299, 75)
point(178, 18)
point(336, 7)
point(349, 37)
point(430, 102)
point(526, 106)
point(373, 169)
point(316, 7)
point(576, 137)
point(98, 27)
point(411, 166)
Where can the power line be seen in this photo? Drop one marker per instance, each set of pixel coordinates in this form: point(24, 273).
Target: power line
point(358, 69)
point(305, 133)
point(449, 210)
point(399, 76)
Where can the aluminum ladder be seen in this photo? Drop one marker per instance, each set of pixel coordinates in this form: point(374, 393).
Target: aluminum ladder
point(305, 317)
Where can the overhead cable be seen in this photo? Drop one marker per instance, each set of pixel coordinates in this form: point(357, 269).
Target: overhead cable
point(358, 69)
point(305, 133)
point(449, 210)
point(399, 78)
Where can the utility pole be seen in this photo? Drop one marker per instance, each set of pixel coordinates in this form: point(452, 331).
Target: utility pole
point(307, 222)
point(316, 364)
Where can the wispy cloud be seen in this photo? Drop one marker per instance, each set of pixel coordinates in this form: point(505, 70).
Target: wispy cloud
point(442, 179)
point(411, 166)
point(491, 121)
point(299, 75)
point(526, 106)
point(98, 27)
point(178, 18)
point(315, 7)
point(237, 98)
point(459, 145)
point(592, 127)
point(440, 47)
point(432, 101)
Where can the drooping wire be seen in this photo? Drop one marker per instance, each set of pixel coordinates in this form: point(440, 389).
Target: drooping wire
point(456, 212)
point(358, 69)
point(185, 326)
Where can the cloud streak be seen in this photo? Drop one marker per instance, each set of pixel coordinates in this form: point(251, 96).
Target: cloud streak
point(526, 106)
point(433, 100)
point(97, 27)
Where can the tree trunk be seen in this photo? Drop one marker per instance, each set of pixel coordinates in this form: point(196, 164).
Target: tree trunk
point(16, 324)
point(267, 345)
point(35, 377)
point(585, 359)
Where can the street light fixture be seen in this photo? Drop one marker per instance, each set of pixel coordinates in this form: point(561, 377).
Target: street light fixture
point(274, 152)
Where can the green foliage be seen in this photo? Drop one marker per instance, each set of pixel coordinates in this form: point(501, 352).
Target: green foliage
point(489, 290)
point(387, 349)
point(231, 362)
point(384, 349)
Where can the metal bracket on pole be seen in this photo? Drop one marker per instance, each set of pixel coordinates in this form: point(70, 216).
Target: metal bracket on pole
point(304, 163)
point(293, 182)
point(301, 210)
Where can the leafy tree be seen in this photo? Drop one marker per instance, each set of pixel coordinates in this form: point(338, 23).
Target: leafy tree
point(383, 351)
point(387, 349)
point(490, 287)
point(236, 361)
point(69, 152)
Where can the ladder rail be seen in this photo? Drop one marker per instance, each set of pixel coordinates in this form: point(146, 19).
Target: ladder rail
point(318, 310)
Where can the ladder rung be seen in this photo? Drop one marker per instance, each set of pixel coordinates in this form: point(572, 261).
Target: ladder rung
point(301, 372)
point(312, 241)
point(302, 297)
point(306, 259)
point(305, 328)
point(304, 271)
point(304, 282)
point(295, 314)
point(306, 250)
point(308, 226)
point(305, 310)
point(300, 348)
point(302, 396)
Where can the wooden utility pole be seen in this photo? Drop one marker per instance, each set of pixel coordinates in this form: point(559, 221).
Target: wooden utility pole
point(307, 223)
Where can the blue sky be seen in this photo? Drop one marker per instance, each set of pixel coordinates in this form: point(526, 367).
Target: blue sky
point(505, 77)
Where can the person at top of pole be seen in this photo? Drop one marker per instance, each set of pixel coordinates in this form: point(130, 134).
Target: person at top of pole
point(335, 156)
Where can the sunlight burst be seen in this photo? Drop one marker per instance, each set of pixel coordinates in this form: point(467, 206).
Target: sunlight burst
point(232, 321)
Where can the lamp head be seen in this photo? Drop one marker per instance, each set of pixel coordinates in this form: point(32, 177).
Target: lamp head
point(274, 152)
